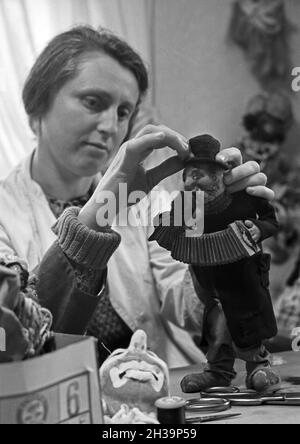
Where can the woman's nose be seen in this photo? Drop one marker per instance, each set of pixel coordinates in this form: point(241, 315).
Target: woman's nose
point(108, 121)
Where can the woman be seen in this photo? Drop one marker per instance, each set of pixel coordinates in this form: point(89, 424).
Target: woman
point(81, 97)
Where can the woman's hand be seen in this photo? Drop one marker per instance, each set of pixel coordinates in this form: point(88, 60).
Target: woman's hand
point(244, 176)
point(127, 167)
point(127, 171)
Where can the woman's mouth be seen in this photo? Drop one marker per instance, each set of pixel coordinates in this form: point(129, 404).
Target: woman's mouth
point(99, 146)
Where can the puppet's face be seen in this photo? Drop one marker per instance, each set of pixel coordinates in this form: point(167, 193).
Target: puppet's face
point(134, 376)
point(205, 177)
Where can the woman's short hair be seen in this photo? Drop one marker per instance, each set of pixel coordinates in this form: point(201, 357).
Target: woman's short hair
point(58, 64)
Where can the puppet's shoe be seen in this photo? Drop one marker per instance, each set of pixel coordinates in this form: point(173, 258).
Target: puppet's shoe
point(263, 379)
point(199, 382)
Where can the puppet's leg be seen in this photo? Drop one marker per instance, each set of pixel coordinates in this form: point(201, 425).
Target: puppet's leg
point(219, 371)
point(243, 292)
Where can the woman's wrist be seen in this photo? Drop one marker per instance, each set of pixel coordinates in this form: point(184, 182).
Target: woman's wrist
point(88, 216)
point(101, 210)
point(82, 244)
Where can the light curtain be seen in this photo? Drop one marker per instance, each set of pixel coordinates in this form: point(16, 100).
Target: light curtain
point(25, 28)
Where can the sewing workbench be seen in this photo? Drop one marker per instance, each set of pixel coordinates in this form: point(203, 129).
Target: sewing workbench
point(288, 364)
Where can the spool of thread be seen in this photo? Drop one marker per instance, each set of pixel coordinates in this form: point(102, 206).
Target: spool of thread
point(171, 410)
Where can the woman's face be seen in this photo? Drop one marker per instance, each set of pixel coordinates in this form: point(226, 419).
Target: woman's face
point(89, 116)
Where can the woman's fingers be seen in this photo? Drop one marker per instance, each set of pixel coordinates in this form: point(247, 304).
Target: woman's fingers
point(140, 147)
point(230, 156)
point(244, 176)
point(131, 154)
point(127, 166)
point(148, 129)
point(261, 191)
point(162, 137)
point(243, 173)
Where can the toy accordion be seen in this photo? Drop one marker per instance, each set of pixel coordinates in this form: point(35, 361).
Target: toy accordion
point(223, 247)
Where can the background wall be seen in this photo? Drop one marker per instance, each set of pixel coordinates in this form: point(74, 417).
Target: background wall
point(203, 82)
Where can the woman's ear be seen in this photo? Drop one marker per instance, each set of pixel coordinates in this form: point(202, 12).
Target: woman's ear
point(35, 125)
point(131, 124)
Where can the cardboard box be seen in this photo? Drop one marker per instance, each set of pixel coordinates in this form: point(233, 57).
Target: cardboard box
point(61, 387)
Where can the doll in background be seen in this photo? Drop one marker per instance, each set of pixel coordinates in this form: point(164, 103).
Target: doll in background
point(25, 322)
point(267, 122)
point(232, 271)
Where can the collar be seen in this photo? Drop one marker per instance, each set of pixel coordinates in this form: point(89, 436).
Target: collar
point(26, 168)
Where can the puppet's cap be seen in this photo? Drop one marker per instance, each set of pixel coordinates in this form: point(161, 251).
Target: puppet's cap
point(204, 148)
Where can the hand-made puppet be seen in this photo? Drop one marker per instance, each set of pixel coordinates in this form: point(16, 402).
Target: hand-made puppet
point(220, 235)
point(135, 377)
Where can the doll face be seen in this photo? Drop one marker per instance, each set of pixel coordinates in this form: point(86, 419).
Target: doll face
point(134, 376)
point(260, 151)
point(204, 177)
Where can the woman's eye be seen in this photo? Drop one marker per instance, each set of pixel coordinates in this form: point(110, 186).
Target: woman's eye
point(123, 113)
point(92, 103)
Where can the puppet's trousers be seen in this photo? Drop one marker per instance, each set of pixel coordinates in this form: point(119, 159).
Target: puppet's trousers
point(243, 291)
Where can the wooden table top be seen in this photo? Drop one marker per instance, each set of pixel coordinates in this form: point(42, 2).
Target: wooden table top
point(288, 365)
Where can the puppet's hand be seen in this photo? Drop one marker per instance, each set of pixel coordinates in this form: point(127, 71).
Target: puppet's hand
point(254, 230)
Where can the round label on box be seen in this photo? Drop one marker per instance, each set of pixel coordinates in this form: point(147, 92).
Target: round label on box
point(33, 411)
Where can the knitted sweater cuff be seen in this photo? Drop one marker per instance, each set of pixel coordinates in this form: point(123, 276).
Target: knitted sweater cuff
point(81, 244)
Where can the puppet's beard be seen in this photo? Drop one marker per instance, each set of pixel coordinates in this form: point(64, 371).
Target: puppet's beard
point(212, 191)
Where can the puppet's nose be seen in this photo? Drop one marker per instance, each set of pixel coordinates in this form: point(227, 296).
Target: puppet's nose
point(138, 342)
